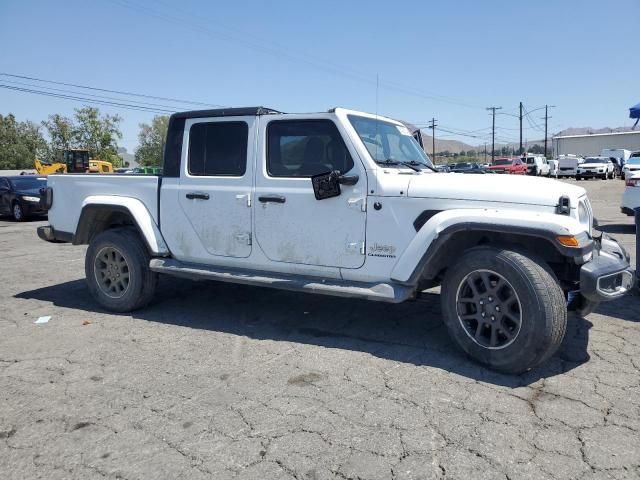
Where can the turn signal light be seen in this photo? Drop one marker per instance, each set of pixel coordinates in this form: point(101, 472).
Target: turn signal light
point(568, 241)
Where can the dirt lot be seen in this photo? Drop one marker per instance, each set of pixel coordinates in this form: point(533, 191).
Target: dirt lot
point(222, 381)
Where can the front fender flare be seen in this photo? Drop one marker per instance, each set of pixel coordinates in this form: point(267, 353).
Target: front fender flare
point(435, 232)
point(134, 207)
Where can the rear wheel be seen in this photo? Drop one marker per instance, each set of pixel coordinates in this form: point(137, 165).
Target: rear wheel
point(503, 309)
point(117, 270)
point(578, 177)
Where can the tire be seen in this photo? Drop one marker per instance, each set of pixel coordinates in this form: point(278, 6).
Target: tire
point(604, 177)
point(529, 291)
point(578, 178)
point(17, 212)
point(121, 253)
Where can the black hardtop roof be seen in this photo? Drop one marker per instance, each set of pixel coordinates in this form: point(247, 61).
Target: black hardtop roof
point(226, 112)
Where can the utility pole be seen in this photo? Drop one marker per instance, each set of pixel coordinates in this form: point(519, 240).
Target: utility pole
point(485, 152)
point(433, 139)
point(520, 152)
point(546, 123)
point(493, 132)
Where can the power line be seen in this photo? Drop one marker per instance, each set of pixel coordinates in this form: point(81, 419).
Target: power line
point(170, 108)
point(85, 100)
point(272, 48)
point(120, 92)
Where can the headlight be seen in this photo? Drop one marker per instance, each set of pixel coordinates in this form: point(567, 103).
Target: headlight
point(583, 215)
point(30, 199)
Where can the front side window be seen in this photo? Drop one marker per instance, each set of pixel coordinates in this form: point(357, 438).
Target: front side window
point(218, 149)
point(304, 148)
point(389, 142)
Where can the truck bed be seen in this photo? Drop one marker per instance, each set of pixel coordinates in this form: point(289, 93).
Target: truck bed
point(71, 190)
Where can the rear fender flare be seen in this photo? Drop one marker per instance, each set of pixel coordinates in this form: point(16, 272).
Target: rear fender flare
point(137, 211)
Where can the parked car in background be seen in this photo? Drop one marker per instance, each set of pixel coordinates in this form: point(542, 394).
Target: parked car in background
point(21, 196)
point(536, 165)
point(568, 165)
point(618, 156)
point(592, 167)
point(553, 168)
point(469, 167)
point(632, 165)
point(443, 168)
point(512, 166)
point(631, 195)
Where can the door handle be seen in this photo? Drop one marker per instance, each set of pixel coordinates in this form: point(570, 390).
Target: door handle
point(272, 198)
point(198, 196)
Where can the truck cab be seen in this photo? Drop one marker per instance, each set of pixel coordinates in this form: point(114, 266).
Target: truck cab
point(344, 203)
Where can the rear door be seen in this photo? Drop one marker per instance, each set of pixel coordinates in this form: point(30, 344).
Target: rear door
point(214, 190)
point(291, 225)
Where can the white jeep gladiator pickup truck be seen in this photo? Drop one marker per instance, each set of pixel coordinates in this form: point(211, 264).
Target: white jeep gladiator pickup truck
point(344, 203)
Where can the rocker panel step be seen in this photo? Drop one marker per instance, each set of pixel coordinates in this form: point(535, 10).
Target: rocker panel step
point(382, 292)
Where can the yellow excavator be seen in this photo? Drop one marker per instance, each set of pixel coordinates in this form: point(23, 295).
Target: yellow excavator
point(74, 161)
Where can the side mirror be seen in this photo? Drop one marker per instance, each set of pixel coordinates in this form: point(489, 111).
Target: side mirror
point(327, 185)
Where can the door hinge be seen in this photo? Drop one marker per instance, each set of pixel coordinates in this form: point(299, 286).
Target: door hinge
point(359, 203)
point(244, 238)
point(356, 247)
point(244, 198)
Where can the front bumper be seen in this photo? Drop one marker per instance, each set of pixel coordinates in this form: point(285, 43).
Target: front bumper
point(608, 275)
point(590, 174)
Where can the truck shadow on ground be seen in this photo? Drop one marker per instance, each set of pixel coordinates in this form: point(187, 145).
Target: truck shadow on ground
point(411, 332)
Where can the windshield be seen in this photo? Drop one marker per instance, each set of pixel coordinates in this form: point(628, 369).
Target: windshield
point(594, 160)
point(634, 161)
point(386, 141)
point(503, 161)
point(28, 183)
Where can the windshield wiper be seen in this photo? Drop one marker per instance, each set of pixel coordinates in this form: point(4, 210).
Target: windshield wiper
point(410, 165)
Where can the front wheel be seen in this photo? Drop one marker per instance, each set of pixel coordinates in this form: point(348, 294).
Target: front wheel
point(117, 270)
point(17, 212)
point(578, 177)
point(503, 309)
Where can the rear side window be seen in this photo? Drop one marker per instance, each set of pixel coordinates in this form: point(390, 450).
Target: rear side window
point(218, 149)
point(303, 148)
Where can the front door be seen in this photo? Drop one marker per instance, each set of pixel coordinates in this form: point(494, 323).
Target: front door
point(291, 225)
point(215, 186)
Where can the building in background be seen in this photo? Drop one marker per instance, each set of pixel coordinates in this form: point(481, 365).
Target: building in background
point(593, 144)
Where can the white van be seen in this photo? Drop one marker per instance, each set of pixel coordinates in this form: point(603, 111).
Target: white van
point(536, 165)
point(568, 165)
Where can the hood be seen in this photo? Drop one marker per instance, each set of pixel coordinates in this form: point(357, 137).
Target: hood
point(492, 188)
point(592, 165)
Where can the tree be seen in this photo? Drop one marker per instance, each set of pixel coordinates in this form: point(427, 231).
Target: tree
point(152, 139)
point(99, 134)
point(20, 143)
point(61, 132)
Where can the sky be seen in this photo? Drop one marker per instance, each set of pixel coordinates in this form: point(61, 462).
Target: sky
point(412, 61)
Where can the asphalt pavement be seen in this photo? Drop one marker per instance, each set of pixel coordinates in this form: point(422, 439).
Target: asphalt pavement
point(224, 381)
